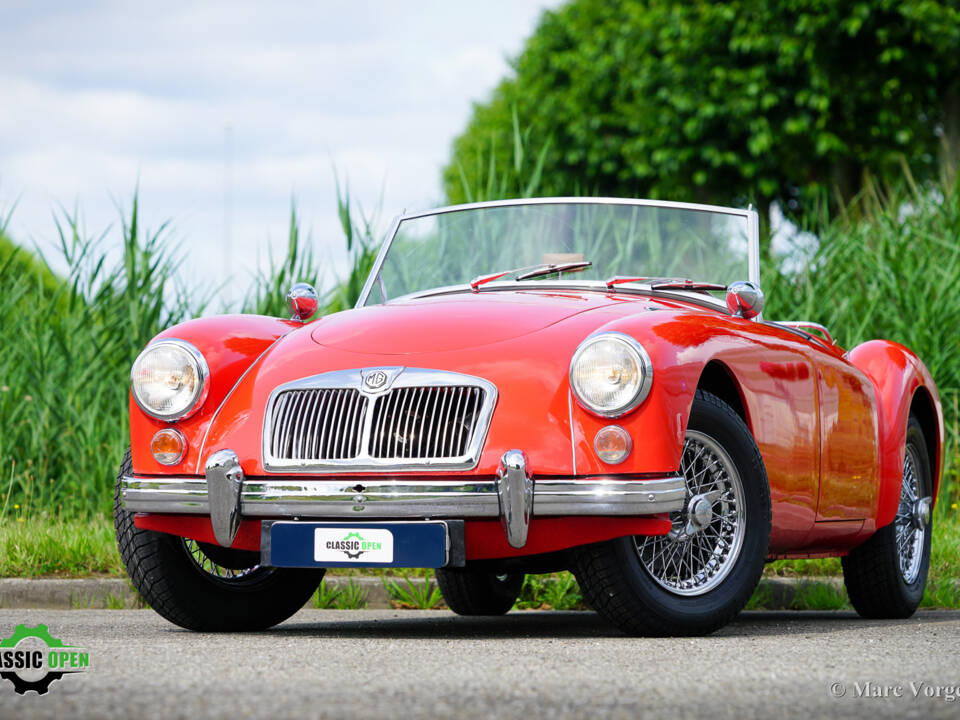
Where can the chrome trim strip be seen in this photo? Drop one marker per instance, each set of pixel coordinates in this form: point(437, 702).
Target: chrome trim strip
point(804, 325)
point(358, 497)
point(573, 442)
point(697, 298)
point(750, 215)
point(365, 461)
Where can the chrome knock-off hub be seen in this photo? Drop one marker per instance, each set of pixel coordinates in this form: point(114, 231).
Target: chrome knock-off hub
point(699, 513)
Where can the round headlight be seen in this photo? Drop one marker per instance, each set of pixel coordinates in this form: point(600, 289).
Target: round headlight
point(169, 380)
point(610, 374)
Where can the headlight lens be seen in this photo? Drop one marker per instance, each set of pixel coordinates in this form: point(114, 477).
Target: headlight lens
point(169, 380)
point(610, 374)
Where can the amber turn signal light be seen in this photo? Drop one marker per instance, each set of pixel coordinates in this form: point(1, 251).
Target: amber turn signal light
point(613, 444)
point(168, 446)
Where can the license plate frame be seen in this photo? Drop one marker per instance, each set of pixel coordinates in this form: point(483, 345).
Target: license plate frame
point(309, 544)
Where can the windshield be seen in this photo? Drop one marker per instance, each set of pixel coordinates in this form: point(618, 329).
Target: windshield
point(518, 245)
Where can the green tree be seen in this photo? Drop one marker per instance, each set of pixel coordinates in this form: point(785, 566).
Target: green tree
point(724, 102)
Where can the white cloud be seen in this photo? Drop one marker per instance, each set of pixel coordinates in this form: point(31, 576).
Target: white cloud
point(97, 95)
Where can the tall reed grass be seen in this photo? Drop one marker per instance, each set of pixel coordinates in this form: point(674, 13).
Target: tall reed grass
point(68, 344)
point(889, 268)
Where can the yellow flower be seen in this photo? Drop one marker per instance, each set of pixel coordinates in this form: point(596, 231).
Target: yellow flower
point(16, 507)
point(954, 506)
point(20, 520)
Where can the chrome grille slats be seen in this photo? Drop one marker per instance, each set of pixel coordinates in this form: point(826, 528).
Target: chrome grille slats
point(317, 424)
point(278, 423)
point(424, 422)
point(319, 429)
point(337, 434)
point(420, 419)
point(456, 414)
point(315, 435)
point(433, 414)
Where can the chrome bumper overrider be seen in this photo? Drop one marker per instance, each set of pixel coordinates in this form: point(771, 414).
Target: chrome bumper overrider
point(514, 496)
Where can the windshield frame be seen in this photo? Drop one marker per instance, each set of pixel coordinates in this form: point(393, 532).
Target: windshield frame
point(753, 232)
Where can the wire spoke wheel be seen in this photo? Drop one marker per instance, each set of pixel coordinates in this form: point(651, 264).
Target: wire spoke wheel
point(909, 535)
point(209, 565)
point(706, 536)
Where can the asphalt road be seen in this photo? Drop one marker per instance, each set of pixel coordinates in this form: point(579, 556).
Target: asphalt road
point(399, 664)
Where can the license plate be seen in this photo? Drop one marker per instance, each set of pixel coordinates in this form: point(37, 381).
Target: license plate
point(396, 544)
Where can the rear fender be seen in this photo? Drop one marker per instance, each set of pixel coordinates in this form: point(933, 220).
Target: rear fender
point(897, 375)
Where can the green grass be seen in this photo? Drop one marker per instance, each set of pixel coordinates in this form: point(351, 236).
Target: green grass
point(43, 546)
point(47, 546)
point(808, 595)
point(558, 591)
point(346, 597)
point(418, 594)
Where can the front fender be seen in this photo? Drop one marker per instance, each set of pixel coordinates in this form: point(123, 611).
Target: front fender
point(230, 344)
point(897, 374)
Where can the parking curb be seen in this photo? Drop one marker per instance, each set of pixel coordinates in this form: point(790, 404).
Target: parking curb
point(774, 593)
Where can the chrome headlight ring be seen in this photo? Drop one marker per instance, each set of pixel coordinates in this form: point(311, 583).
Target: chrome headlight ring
point(192, 361)
point(633, 353)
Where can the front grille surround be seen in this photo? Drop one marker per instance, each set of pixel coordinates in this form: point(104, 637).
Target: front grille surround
point(420, 419)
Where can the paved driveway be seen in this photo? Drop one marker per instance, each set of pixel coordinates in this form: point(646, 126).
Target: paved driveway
point(383, 664)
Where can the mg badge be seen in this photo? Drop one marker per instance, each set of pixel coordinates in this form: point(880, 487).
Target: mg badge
point(375, 380)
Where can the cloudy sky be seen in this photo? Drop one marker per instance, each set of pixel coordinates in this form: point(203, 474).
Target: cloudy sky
point(224, 111)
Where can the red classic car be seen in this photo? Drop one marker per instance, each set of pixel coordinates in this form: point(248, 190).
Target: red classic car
point(523, 387)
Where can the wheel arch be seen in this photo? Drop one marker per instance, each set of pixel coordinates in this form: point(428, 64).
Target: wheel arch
point(903, 385)
point(924, 409)
point(718, 379)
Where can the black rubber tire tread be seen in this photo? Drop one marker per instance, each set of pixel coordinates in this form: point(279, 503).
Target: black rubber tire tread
point(871, 572)
point(616, 585)
point(468, 592)
point(171, 583)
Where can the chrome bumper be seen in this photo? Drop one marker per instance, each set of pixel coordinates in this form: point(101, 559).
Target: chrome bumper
point(514, 496)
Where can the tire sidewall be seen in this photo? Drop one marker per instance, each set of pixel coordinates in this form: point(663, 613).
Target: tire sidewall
point(727, 429)
point(913, 592)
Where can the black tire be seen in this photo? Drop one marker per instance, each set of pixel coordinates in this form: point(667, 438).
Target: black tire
point(617, 584)
point(469, 592)
point(165, 573)
point(872, 573)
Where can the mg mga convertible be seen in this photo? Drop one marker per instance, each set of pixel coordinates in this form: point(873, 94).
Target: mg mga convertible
point(524, 387)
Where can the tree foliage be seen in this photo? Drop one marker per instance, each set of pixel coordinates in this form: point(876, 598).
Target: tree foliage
point(728, 102)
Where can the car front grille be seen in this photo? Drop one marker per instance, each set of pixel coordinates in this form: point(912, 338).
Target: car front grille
point(425, 422)
point(318, 424)
point(424, 419)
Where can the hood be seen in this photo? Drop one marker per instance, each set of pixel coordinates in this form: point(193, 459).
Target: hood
point(521, 341)
point(449, 322)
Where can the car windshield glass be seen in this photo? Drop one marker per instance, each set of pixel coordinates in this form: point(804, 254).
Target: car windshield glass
point(456, 247)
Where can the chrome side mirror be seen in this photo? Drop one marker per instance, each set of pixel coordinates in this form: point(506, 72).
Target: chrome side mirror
point(303, 301)
point(745, 299)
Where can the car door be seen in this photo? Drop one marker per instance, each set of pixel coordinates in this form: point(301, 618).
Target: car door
point(848, 439)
